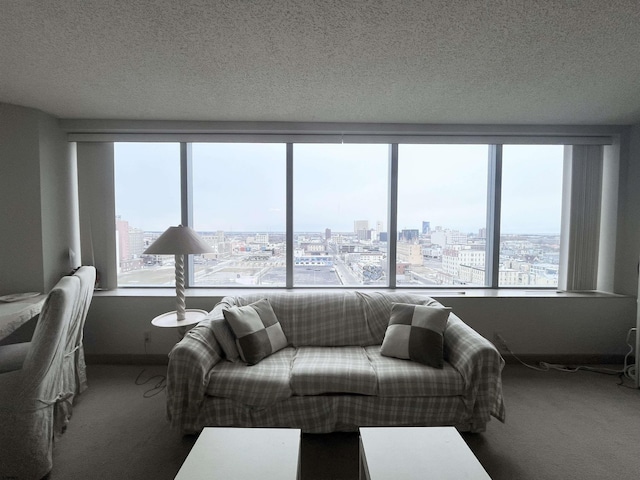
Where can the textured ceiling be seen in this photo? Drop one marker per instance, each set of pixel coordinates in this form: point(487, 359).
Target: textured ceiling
point(448, 61)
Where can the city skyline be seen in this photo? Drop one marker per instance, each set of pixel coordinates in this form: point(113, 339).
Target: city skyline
point(440, 257)
point(345, 232)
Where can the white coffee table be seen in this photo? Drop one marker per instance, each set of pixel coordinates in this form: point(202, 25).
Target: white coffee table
point(391, 453)
point(243, 453)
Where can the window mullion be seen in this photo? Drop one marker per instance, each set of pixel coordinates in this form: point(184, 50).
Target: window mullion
point(392, 237)
point(494, 203)
point(186, 202)
point(289, 218)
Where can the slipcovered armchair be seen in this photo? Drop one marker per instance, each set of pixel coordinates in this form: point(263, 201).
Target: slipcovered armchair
point(12, 356)
point(30, 398)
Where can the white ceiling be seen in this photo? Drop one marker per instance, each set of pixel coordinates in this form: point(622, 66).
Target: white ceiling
point(390, 61)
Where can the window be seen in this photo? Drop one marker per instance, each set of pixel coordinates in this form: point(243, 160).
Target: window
point(239, 208)
point(442, 214)
point(530, 219)
point(339, 201)
point(147, 193)
point(340, 196)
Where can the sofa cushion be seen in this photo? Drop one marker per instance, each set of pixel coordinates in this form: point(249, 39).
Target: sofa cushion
point(257, 330)
point(399, 378)
point(318, 370)
point(257, 385)
point(415, 333)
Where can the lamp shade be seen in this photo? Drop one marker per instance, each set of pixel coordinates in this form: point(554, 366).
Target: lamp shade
point(178, 240)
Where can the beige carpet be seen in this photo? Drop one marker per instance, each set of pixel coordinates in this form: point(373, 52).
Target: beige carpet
point(559, 426)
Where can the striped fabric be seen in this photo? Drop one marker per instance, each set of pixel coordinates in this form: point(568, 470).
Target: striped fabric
point(203, 389)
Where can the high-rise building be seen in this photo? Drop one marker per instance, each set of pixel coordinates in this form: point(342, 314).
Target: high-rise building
point(327, 234)
point(426, 228)
point(361, 229)
point(409, 235)
point(360, 225)
point(122, 229)
point(136, 242)
point(364, 234)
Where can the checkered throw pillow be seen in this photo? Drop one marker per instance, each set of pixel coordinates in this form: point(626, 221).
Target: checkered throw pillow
point(415, 332)
point(225, 337)
point(257, 330)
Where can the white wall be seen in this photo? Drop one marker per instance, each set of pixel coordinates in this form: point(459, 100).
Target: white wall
point(628, 245)
point(37, 198)
point(580, 326)
point(585, 327)
point(59, 197)
point(20, 248)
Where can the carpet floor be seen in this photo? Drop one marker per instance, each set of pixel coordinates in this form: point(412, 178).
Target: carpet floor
point(559, 426)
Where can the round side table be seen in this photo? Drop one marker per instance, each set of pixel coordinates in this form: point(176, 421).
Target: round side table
point(170, 319)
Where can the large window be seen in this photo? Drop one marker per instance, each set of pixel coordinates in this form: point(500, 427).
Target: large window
point(239, 208)
point(378, 215)
point(147, 193)
point(340, 196)
point(530, 220)
point(442, 214)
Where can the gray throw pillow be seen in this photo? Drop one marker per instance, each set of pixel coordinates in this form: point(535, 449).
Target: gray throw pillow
point(415, 332)
point(257, 330)
point(225, 337)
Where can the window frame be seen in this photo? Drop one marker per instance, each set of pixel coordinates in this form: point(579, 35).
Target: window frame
point(107, 257)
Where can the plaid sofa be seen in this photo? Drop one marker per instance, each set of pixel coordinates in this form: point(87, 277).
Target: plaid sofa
point(332, 377)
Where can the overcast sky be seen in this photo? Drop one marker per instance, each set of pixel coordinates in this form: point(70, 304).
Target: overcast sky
point(241, 187)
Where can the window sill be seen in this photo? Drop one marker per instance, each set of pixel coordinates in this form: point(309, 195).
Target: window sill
point(440, 293)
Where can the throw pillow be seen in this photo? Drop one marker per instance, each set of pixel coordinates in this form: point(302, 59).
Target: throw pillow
point(415, 332)
point(257, 330)
point(225, 337)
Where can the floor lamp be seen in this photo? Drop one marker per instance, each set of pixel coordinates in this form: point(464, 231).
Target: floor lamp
point(179, 241)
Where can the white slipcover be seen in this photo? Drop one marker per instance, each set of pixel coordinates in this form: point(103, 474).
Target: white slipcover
point(30, 398)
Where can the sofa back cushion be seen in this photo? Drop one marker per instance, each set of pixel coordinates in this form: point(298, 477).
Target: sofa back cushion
point(333, 319)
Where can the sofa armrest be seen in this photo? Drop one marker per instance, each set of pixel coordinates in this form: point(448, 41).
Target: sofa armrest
point(480, 364)
point(190, 362)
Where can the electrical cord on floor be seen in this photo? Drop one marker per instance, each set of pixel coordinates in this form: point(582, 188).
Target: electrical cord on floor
point(158, 387)
point(628, 371)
